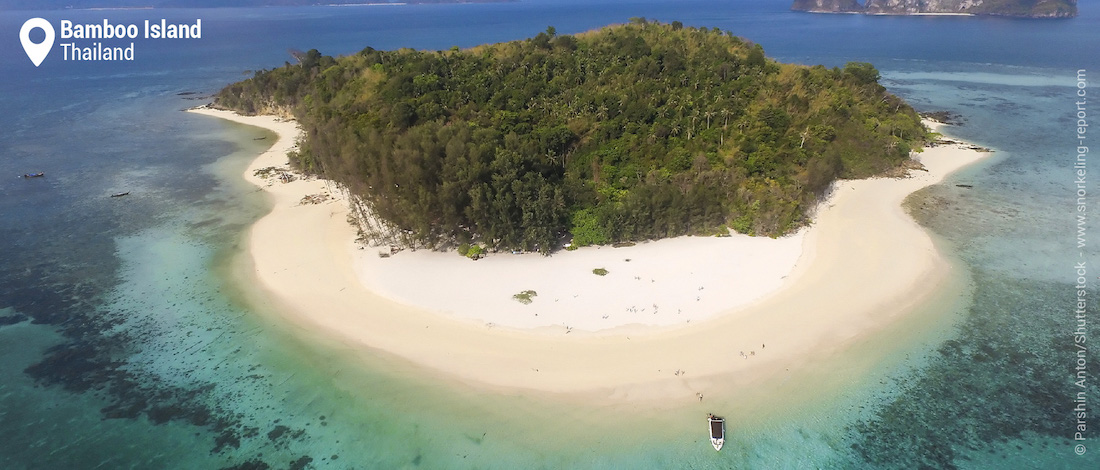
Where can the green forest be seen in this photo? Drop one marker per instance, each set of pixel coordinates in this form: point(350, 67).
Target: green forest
point(627, 133)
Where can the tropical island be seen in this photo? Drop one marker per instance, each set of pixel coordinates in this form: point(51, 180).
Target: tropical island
point(628, 133)
point(547, 130)
point(1014, 8)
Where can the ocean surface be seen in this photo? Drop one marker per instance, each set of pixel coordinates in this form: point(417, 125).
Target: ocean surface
point(126, 343)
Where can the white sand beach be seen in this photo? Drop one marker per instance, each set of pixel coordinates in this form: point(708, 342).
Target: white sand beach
point(754, 304)
point(660, 283)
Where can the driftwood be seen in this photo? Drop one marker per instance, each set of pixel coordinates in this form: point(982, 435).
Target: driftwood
point(314, 198)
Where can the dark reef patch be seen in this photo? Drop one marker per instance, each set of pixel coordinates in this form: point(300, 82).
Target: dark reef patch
point(12, 319)
point(1009, 376)
point(301, 462)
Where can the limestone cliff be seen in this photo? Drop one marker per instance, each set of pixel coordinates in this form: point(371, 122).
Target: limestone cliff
point(829, 6)
point(1018, 8)
point(911, 7)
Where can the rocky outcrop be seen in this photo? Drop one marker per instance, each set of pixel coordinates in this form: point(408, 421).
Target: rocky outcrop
point(1017, 8)
point(827, 6)
point(913, 7)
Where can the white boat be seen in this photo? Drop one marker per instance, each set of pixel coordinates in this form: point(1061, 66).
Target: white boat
point(717, 431)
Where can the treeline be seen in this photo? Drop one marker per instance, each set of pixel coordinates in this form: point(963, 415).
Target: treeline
point(631, 132)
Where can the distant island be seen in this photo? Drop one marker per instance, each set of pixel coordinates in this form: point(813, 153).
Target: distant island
point(631, 132)
point(1015, 8)
point(134, 4)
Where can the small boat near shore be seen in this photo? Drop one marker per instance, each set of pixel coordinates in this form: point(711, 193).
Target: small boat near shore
point(717, 431)
point(34, 175)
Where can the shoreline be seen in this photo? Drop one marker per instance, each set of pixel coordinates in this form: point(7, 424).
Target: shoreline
point(303, 263)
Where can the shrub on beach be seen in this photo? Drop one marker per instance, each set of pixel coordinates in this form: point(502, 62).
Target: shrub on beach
point(525, 297)
point(474, 252)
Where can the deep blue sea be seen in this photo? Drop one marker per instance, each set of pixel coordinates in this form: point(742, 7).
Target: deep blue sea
point(124, 342)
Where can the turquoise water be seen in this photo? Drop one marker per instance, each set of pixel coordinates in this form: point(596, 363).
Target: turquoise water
point(126, 343)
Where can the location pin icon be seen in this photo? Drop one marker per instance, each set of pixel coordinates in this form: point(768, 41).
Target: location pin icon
point(37, 52)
